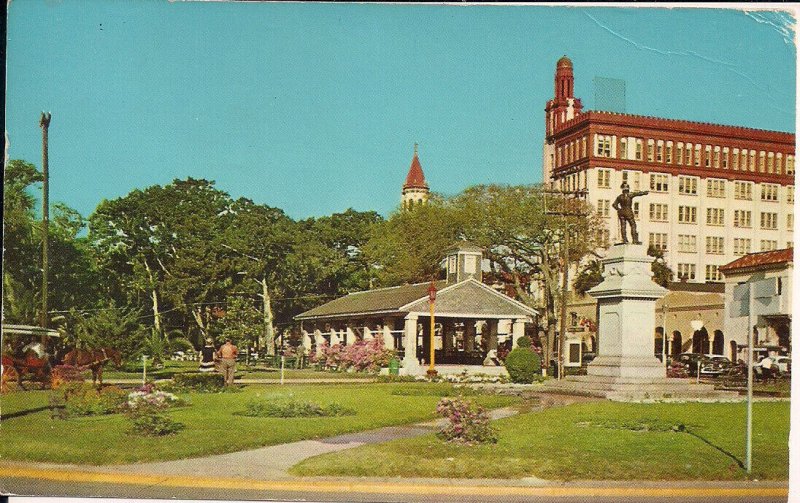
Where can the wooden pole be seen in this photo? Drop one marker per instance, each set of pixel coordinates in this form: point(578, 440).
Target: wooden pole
point(44, 123)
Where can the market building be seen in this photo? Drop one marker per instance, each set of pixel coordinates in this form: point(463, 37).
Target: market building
point(471, 319)
point(717, 192)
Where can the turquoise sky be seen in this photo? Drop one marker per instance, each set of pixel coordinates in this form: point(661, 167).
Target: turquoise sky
point(315, 108)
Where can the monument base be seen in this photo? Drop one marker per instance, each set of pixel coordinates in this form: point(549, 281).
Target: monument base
point(634, 367)
point(627, 389)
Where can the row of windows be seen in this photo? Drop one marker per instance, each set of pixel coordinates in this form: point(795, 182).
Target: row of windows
point(715, 245)
point(659, 212)
point(689, 185)
point(677, 153)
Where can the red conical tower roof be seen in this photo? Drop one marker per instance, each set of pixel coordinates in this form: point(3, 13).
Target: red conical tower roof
point(415, 178)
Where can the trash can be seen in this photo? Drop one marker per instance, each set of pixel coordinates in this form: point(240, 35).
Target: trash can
point(394, 367)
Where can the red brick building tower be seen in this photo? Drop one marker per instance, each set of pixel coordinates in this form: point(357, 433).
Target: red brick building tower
point(716, 192)
point(415, 190)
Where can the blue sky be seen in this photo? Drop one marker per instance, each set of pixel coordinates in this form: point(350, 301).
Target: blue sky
point(315, 108)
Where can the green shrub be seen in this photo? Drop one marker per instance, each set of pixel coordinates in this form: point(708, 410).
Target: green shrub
point(524, 342)
point(86, 400)
point(523, 365)
point(295, 408)
point(467, 423)
point(391, 378)
point(155, 424)
point(204, 383)
point(181, 344)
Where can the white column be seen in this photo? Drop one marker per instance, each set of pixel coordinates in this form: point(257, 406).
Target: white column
point(367, 334)
point(410, 362)
point(517, 331)
point(319, 340)
point(334, 337)
point(306, 340)
point(388, 339)
point(351, 336)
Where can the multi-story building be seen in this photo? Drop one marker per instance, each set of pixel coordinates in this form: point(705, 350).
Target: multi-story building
point(716, 192)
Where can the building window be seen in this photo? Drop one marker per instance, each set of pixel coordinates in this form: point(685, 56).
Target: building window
point(689, 152)
point(659, 212)
point(768, 245)
point(715, 245)
point(778, 163)
point(790, 165)
point(623, 148)
point(713, 274)
point(743, 190)
point(716, 157)
point(650, 148)
point(583, 147)
point(769, 221)
point(735, 159)
point(603, 146)
point(715, 187)
point(679, 153)
point(604, 178)
point(659, 182)
point(631, 178)
point(658, 240)
point(605, 237)
point(751, 164)
point(668, 158)
point(769, 192)
point(697, 155)
point(742, 218)
point(638, 153)
point(741, 246)
point(686, 271)
point(762, 161)
point(687, 185)
point(790, 221)
point(687, 214)
point(604, 208)
point(715, 216)
point(725, 154)
point(660, 151)
point(708, 156)
point(636, 210)
point(687, 243)
point(770, 162)
point(790, 194)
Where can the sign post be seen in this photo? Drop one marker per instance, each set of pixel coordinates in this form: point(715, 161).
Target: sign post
point(144, 370)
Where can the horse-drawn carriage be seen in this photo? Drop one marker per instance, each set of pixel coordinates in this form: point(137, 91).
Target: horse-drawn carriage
point(24, 356)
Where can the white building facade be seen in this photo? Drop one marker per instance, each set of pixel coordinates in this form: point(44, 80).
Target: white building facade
point(716, 192)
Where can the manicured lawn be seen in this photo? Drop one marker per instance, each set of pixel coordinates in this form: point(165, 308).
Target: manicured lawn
point(242, 372)
point(212, 425)
point(598, 440)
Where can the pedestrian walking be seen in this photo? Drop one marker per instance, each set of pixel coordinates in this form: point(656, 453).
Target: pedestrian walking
point(227, 360)
point(208, 356)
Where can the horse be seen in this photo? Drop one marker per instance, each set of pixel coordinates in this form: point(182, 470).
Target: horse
point(94, 359)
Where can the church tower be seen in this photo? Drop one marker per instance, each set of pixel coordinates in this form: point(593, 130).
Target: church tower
point(415, 190)
point(563, 107)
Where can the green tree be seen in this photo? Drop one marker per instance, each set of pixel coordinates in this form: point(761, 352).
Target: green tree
point(591, 274)
point(242, 321)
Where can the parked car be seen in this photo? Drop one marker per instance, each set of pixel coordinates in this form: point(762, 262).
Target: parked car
point(714, 365)
point(689, 360)
point(784, 364)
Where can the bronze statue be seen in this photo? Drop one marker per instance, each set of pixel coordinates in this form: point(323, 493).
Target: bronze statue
point(624, 206)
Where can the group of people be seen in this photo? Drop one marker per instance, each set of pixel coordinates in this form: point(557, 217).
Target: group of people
point(222, 359)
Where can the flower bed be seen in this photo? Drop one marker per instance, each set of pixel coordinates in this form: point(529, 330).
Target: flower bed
point(467, 423)
point(294, 408)
point(361, 356)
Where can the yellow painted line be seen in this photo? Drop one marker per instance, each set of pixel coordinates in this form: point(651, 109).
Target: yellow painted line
point(343, 486)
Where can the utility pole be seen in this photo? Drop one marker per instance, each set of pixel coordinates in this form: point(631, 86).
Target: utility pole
point(44, 123)
point(564, 212)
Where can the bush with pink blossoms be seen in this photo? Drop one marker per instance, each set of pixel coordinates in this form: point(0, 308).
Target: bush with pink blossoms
point(467, 423)
point(361, 356)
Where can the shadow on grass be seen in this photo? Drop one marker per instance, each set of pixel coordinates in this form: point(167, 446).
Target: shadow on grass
point(718, 448)
point(26, 412)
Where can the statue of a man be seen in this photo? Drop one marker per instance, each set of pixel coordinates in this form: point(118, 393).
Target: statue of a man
point(624, 206)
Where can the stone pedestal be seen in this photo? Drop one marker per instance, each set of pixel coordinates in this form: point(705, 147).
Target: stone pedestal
point(626, 368)
point(627, 304)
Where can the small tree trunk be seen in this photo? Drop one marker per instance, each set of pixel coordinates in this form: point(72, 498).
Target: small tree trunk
point(269, 333)
point(154, 297)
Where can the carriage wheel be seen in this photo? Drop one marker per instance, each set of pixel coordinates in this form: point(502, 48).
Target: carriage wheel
point(10, 375)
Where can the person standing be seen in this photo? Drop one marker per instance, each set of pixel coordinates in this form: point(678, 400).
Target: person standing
point(227, 360)
point(208, 356)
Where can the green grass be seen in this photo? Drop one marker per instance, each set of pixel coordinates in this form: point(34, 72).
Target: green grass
point(598, 440)
point(212, 423)
point(242, 372)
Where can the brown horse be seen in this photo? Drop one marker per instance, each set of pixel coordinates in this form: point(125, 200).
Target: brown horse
point(93, 359)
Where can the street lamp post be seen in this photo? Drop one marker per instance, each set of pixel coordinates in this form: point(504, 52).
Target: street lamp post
point(432, 299)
